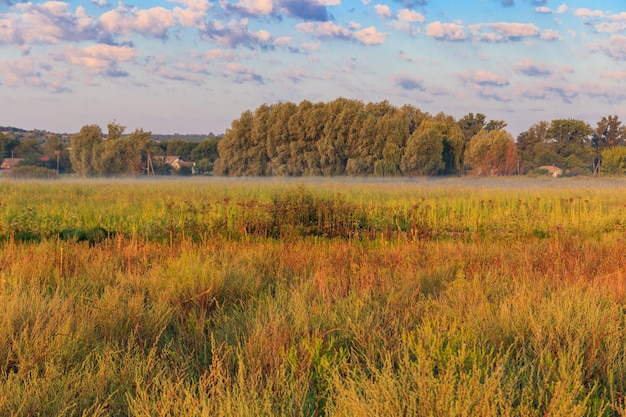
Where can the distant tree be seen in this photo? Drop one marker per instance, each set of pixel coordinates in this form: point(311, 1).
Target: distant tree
point(115, 130)
point(608, 133)
point(495, 125)
point(234, 146)
point(423, 154)
point(614, 160)
point(30, 150)
point(471, 124)
point(86, 146)
point(389, 166)
point(54, 148)
point(181, 148)
point(492, 153)
point(453, 143)
point(205, 154)
point(571, 140)
point(3, 143)
point(117, 155)
point(533, 143)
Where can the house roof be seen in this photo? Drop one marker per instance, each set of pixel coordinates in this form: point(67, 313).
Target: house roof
point(552, 170)
point(8, 163)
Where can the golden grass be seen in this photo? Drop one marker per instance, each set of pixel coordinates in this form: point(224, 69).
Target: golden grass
point(423, 299)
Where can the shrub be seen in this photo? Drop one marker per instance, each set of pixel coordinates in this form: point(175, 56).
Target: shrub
point(32, 172)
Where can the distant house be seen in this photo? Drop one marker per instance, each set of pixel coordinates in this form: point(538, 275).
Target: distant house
point(552, 170)
point(9, 163)
point(177, 163)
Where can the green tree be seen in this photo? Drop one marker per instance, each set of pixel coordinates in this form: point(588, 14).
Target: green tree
point(123, 155)
point(423, 154)
point(56, 151)
point(532, 143)
point(205, 155)
point(30, 150)
point(279, 138)
point(234, 146)
point(614, 160)
point(571, 140)
point(453, 143)
point(181, 148)
point(492, 153)
point(389, 166)
point(609, 132)
point(4, 141)
point(471, 124)
point(86, 146)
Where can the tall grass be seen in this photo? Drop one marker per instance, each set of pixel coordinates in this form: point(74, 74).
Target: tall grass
point(387, 299)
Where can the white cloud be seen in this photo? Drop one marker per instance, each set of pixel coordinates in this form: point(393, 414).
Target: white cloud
point(446, 31)
point(484, 78)
point(256, 7)
point(382, 11)
point(533, 69)
point(35, 74)
point(618, 75)
point(615, 46)
point(405, 15)
point(544, 9)
point(99, 59)
point(503, 31)
point(153, 22)
point(369, 36)
point(584, 12)
point(550, 35)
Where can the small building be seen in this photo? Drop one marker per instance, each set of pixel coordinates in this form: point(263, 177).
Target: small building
point(177, 163)
point(9, 163)
point(552, 170)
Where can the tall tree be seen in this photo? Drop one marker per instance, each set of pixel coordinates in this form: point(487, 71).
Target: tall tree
point(423, 154)
point(471, 124)
point(453, 143)
point(233, 146)
point(86, 146)
point(205, 155)
point(492, 153)
point(609, 132)
point(571, 140)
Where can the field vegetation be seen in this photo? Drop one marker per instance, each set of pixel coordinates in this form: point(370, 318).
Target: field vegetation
point(203, 297)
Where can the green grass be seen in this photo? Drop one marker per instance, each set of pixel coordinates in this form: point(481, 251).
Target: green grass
point(251, 298)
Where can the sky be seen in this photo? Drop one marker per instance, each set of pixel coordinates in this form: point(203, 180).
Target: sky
point(193, 66)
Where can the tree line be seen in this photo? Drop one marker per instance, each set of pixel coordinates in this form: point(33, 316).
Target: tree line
point(340, 137)
point(349, 137)
point(91, 152)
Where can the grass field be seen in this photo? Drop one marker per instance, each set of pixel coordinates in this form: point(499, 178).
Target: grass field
point(233, 297)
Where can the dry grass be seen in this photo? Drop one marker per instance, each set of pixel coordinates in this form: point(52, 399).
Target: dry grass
point(457, 301)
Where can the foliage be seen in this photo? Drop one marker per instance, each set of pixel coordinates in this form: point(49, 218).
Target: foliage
point(32, 172)
point(93, 155)
point(614, 161)
point(342, 137)
point(423, 154)
point(492, 153)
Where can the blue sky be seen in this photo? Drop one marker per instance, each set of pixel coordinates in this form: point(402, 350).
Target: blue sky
point(192, 66)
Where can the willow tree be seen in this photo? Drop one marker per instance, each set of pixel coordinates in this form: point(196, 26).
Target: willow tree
point(423, 154)
point(233, 147)
point(85, 148)
point(492, 153)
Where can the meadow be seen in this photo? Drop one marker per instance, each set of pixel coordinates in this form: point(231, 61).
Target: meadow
point(259, 297)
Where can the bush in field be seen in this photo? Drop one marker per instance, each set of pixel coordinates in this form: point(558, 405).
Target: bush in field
point(32, 172)
point(300, 212)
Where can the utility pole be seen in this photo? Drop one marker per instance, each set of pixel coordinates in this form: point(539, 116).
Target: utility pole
point(57, 153)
